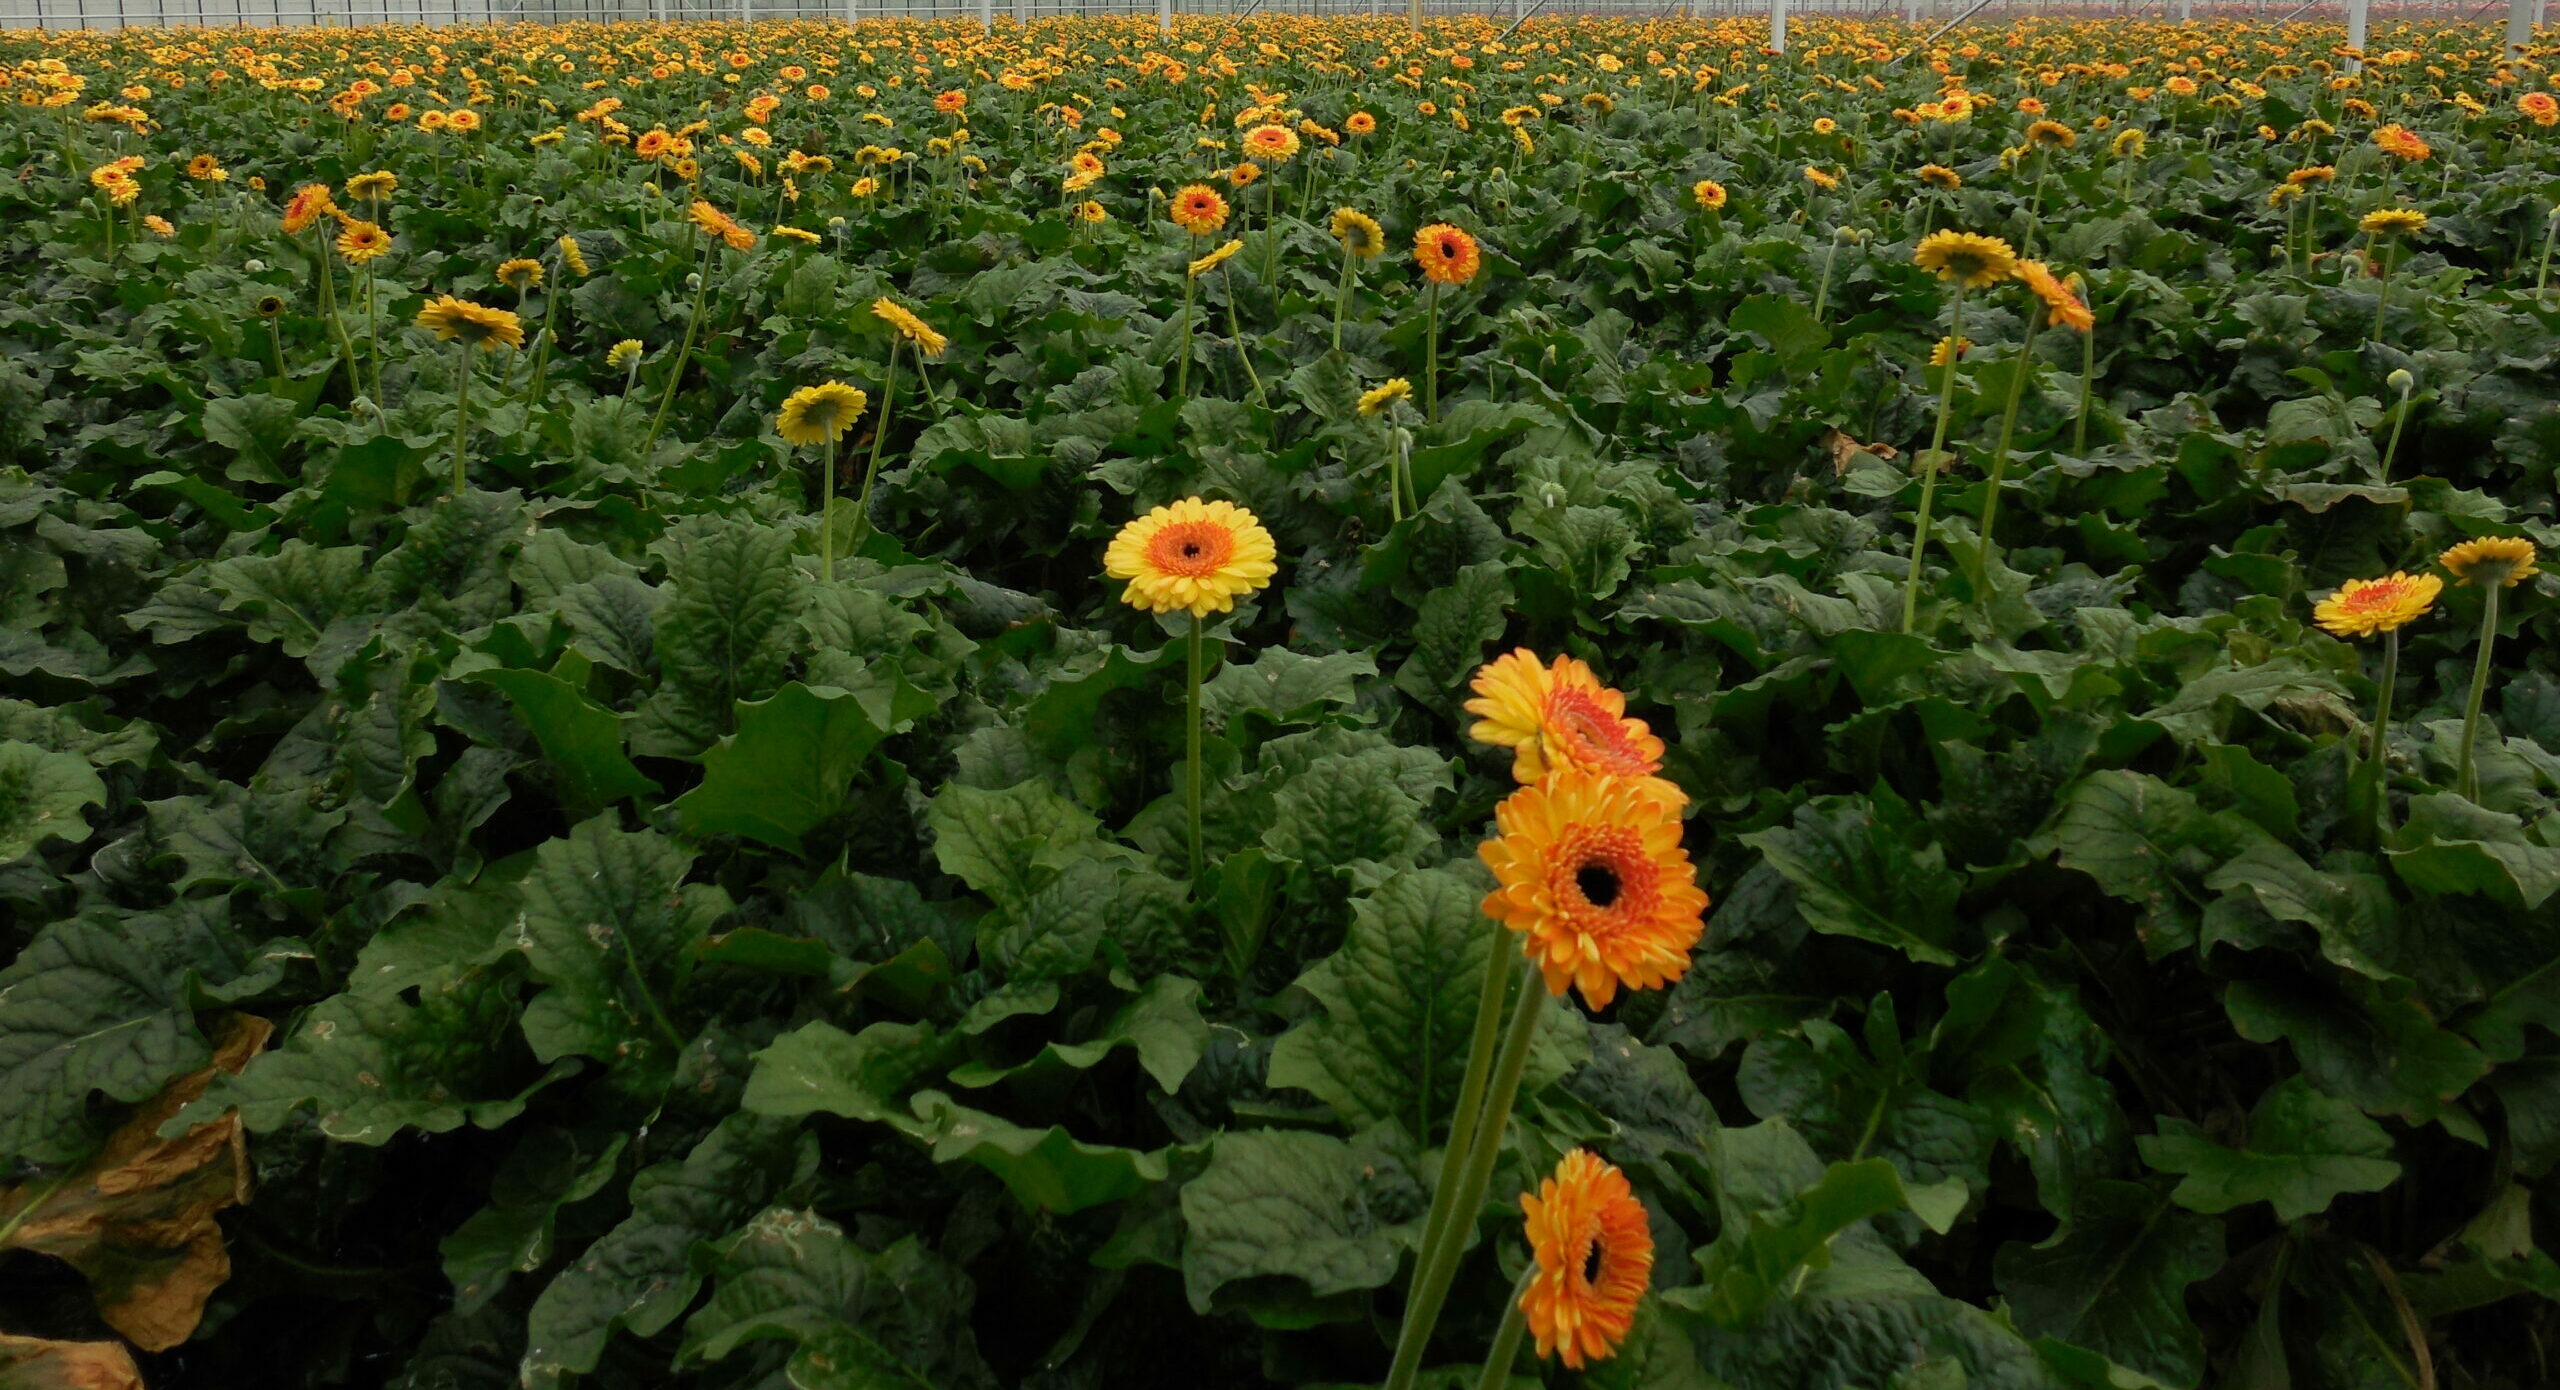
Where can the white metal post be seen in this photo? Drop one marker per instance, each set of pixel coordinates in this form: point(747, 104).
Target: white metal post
point(987, 15)
point(1164, 16)
point(1021, 12)
point(2186, 11)
point(2358, 12)
point(2520, 18)
point(1778, 25)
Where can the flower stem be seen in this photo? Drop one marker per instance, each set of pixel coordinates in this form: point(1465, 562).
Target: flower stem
point(1439, 1263)
point(879, 438)
point(542, 354)
point(1235, 331)
point(2382, 293)
point(2542, 275)
point(2467, 778)
point(684, 353)
point(1506, 1341)
point(462, 412)
point(1822, 294)
point(2008, 431)
point(1493, 993)
point(1929, 462)
point(1191, 748)
point(1182, 359)
point(1431, 353)
point(1342, 298)
point(827, 512)
point(2382, 706)
point(2088, 378)
point(2398, 422)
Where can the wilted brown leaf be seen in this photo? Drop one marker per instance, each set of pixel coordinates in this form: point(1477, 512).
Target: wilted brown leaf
point(139, 1219)
point(32, 1363)
point(1844, 448)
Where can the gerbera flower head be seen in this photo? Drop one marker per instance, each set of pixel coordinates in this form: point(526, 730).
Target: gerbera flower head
point(2400, 141)
point(1276, 144)
point(2052, 135)
point(1967, 258)
point(1560, 715)
point(2543, 107)
point(2060, 304)
point(520, 273)
point(2129, 143)
point(1708, 194)
point(1448, 256)
point(1359, 233)
point(308, 205)
point(621, 355)
point(1940, 176)
point(572, 256)
point(820, 414)
point(204, 168)
point(1198, 209)
point(1949, 351)
point(1193, 556)
point(1360, 123)
point(2363, 607)
point(361, 241)
point(1385, 394)
point(1594, 1251)
point(374, 186)
point(2392, 222)
point(904, 322)
point(488, 329)
point(2506, 560)
point(1215, 259)
point(1590, 871)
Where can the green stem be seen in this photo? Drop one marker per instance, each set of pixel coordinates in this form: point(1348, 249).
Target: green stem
point(1236, 333)
point(2467, 779)
point(2008, 431)
point(2382, 706)
point(1431, 353)
point(1930, 464)
point(1506, 1341)
point(1191, 749)
point(2542, 275)
point(542, 354)
point(1822, 295)
point(827, 513)
point(2398, 421)
point(1500, 965)
point(2382, 293)
point(2088, 378)
point(879, 438)
point(684, 353)
point(1182, 359)
point(1342, 297)
point(462, 412)
point(1439, 1264)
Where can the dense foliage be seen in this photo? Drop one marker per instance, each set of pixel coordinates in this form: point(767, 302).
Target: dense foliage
point(552, 932)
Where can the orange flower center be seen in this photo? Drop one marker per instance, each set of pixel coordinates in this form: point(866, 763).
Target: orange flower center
point(1192, 549)
point(1588, 735)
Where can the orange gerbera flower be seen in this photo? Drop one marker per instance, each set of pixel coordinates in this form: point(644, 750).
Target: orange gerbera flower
point(1448, 255)
point(308, 204)
point(1194, 555)
point(1594, 1250)
point(1199, 210)
point(2060, 303)
point(1561, 716)
point(1590, 870)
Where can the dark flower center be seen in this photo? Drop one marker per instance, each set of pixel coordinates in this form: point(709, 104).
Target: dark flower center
point(1591, 1263)
point(1599, 884)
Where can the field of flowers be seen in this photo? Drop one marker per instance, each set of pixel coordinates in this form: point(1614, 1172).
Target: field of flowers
point(1291, 704)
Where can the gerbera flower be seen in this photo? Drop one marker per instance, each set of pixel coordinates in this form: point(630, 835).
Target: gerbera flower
point(2060, 304)
point(2504, 560)
point(374, 187)
point(204, 168)
point(159, 226)
point(520, 274)
point(1193, 556)
point(1243, 175)
point(2052, 135)
point(1215, 259)
point(361, 241)
point(2363, 607)
point(1709, 194)
point(2129, 143)
point(1274, 143)
point(624, 353)
point(465, 120)
point(308, 204)
point(1591, 872)
point(2311, 174)
point(818, 414)
point(1940, 176)
point(1972, 260)
point(1386, 393)
point(1092, 212)
point(2543, 107)
point(1360, 123)
point(1358, 232)
point(1560, 715)
point(799, 234)
point(1198, 209)
point(908, 326)
point(1594, 1251)
point(1821, 178)
point(573, 257)
point(2399, 140)
point(951, 103)
point(2392, 222)
point(1447, 255)
point(454, 319)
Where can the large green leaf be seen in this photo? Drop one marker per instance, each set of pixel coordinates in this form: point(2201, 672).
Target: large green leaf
point(2117, 1284)
point(610, 925)
point(1327, 1216)
point(791, 762)
point(1860, 871)
point(41, 797)
point(581, 739)
point(2303, 1150)
point(85, 1009)
point(897, 1319)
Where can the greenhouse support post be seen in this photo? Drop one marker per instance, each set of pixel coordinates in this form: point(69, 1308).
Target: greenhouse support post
point(2520, 21)
point(1164, 16)
point(1777, 26)
point(2359, 12)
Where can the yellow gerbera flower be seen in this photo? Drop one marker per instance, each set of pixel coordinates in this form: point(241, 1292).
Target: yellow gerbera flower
point(819, 414)
point(1384, 394)
point(488, 329)
point(1193, 556)
point(1969, 259)
point(1215, 259)
point(909, 327)
point(2363, 607)
point(2506, 560)
point(1591, 872)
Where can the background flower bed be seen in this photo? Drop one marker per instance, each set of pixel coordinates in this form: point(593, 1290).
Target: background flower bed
point(684, 971)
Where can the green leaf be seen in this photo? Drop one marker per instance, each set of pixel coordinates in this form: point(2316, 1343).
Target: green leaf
point(1046, 1169)
point(1399, 1004)
point(1328, 1216)
point(2450, 845)
point(610, 925)
point(2362, 1041)
point(1344, 811)
point(2117, 1284)
point(1163, 1024)
point(637, 1276)
point(1009, 843)
point(41, 796)
point(2150, 844)
point(85, 1008)
point(1450, 630)
point(726, 633)
point(550, 1168)
point(789, 765)
point(581, 739)
point(1858, 873)
point(819, 1067)
point(894, 1320)
point(1755, 1260)
point(257, 429)
point(2303, 1150)
point(1784, 323)
point(1285, 687)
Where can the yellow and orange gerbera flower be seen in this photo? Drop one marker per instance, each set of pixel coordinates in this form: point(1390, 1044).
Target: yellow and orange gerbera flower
point(1594, 1250)
point(1448, 255)
point(1193, 556)
point(1590, 870)
point(1560, 715)
point(2060, 304)
point(2363, 607)
point(488, 329)
point(308, 204)
point(1199, 210)
point(1969, 259)
point(2505, 560)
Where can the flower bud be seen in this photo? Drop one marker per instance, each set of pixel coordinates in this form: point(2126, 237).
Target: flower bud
point(2401, 381)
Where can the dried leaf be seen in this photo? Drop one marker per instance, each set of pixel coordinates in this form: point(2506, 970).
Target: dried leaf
point(32, 1363)
point(139, 1218)
point(1845, 448)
